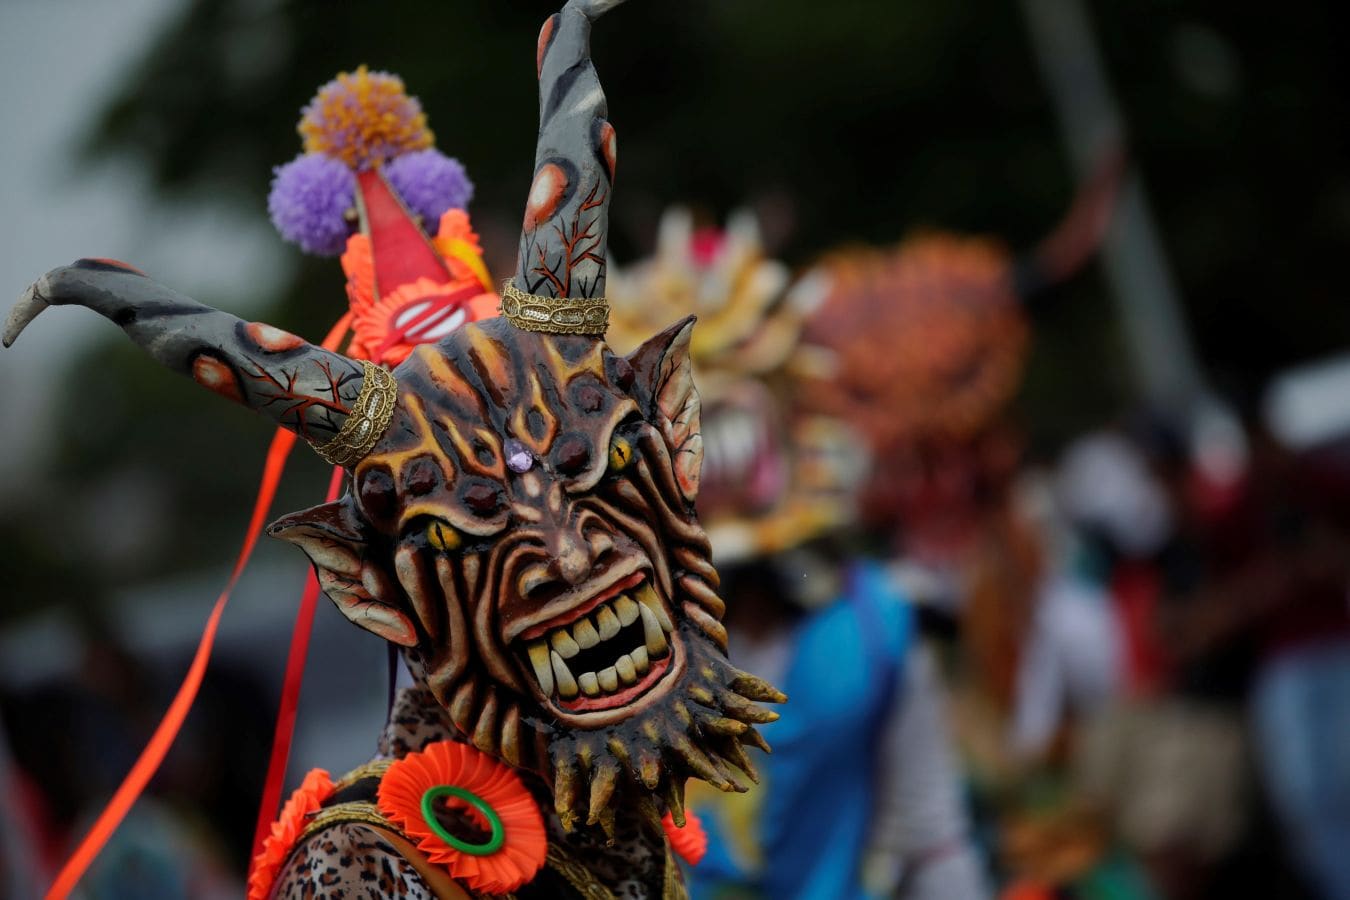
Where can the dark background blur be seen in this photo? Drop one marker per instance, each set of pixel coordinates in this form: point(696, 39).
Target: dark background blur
point(856, 121)
point(125, 495)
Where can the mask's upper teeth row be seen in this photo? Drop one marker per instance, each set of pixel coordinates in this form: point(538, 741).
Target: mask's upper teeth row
point(548, 656)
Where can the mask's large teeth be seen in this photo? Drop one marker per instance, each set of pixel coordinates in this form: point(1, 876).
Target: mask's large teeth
point(652, 635)
point(543, 669)
point(567, 685)
point(609, 679)
point(607, 622)
point(563, 643)
point(647, 597)
point(590, 685)
point(626, 669)
point(626, 609)
point(585, 634)
point(640, 661)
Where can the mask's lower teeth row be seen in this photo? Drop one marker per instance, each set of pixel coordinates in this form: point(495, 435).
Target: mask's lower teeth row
point(549, 656)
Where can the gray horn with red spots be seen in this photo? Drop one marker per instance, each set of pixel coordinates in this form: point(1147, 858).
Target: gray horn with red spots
point(562, 242)
point(309, 390)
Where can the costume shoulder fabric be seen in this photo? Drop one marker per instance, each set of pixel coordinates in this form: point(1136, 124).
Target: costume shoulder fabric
point(351, 843)
point(353, 859)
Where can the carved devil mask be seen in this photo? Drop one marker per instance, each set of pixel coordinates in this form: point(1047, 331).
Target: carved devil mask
point(520, 516)
point(525, 530)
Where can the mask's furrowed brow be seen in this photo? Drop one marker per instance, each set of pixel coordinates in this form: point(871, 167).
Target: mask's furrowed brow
point(457, 516)
point(623, 410)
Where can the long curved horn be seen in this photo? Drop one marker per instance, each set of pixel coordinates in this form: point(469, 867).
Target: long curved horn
point(304, 388)
point(562, 241)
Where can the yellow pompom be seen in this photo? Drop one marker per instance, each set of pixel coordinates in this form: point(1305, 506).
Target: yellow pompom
point(364, 118)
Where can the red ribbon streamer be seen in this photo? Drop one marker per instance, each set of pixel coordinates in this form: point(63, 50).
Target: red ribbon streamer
point(295, 663)
point(152, 757)
point(290, 698)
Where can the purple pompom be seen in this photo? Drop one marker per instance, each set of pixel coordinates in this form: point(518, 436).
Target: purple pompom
point(309, 201)
point(429, 182)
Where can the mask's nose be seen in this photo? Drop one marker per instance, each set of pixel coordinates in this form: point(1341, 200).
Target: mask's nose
point(573, 558)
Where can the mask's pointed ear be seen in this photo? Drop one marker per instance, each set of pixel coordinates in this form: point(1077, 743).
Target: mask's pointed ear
point(334, 539)
point(663, 378)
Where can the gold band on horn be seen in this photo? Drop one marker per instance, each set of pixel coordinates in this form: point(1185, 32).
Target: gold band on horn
point(556, 315)
point(369, 417)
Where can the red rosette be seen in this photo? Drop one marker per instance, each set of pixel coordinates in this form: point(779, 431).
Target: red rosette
point(691, 841)
point(308, 797)
point(422, 312)
point(524, 843)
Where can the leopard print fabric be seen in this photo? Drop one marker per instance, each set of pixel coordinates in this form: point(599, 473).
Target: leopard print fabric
point(415, 721)
point(349, 862)
point(632, 869)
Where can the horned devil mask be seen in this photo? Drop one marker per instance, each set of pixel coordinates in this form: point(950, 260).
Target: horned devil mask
point(520, 515)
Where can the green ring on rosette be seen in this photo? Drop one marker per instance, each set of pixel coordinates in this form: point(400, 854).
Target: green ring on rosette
point(493, 844)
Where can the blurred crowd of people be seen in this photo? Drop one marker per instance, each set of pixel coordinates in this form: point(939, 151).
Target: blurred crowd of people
point(1114, 670)
point(69, 742)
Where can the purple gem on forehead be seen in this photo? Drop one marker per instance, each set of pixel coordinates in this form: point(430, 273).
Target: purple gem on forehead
point(518, 459)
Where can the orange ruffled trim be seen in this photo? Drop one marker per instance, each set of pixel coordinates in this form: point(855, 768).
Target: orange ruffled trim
point(458, 243)
point(691, 841)
point(358, 263)
point(308, 797)
point(525, 843)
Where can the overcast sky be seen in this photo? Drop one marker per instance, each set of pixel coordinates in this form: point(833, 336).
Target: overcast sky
point(59, 61)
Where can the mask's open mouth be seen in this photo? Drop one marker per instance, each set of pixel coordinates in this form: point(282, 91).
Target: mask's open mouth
point(603, 654)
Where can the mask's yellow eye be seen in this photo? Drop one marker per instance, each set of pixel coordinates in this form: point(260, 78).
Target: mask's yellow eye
point(620, 454)
point(442, 536)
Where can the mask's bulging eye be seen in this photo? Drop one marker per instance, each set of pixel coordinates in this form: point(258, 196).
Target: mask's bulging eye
point(620, 453)
point(442, 536)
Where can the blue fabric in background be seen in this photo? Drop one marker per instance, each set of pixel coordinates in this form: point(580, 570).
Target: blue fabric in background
point(812, 824)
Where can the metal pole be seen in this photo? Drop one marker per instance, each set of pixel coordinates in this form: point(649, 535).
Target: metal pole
point(1165, 368)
